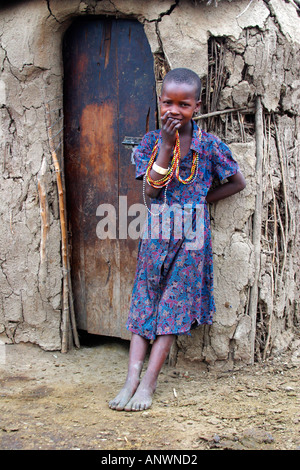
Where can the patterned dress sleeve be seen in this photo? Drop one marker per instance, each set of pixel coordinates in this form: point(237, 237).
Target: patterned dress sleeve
point(223, 163)
point(142, 154)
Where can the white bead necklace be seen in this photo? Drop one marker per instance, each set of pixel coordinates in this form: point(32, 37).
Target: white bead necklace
point(165, 195)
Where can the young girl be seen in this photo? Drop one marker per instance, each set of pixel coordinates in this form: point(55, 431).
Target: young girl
point(173, 288)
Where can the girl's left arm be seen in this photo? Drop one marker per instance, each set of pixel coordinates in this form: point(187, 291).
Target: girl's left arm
point(235, 184)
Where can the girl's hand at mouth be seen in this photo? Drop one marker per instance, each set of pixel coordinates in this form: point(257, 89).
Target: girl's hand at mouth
point(169, 127)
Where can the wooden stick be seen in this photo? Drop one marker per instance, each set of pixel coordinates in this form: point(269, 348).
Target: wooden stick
point(284, 229)
point(44, 217)
point(224, 111)
point(272, 252)
point(63, 226)
point(72, 310)
point(257, 217)
point(242, 130)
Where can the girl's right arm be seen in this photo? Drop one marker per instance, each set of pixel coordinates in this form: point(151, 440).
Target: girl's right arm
point(168, 131)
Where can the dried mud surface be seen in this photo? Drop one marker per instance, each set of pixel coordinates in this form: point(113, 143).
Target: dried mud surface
point(54, 401)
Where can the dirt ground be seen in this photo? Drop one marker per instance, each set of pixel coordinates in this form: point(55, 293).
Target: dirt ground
point(54, 401)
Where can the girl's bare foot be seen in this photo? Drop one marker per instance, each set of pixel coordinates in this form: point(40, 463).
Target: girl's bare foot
point(138, 349)
point(135, 396)
point(119, 402)
point(142, 399)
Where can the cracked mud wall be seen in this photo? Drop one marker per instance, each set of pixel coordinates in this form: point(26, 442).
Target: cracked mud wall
point(30, 285)
point(30, 236)
point(258, 46)
point(261, 54)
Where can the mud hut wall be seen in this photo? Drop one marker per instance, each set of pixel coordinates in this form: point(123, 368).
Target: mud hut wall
point(179, 31)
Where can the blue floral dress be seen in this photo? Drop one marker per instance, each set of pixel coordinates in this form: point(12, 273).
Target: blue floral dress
point(173, 287)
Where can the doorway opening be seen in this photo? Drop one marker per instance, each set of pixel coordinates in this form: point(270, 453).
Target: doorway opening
point(109, 94)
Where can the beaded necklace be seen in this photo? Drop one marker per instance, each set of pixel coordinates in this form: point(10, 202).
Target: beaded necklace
point(173, 169)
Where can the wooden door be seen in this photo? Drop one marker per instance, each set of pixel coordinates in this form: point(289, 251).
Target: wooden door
point(109, 93)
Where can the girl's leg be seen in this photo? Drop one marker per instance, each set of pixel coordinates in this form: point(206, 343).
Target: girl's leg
point(142, 399)
point(137, 353)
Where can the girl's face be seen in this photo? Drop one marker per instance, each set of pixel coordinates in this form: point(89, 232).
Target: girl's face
point(180, 100)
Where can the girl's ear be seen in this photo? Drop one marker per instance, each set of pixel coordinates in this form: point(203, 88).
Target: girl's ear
point(198, 104)
point(197, 108)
